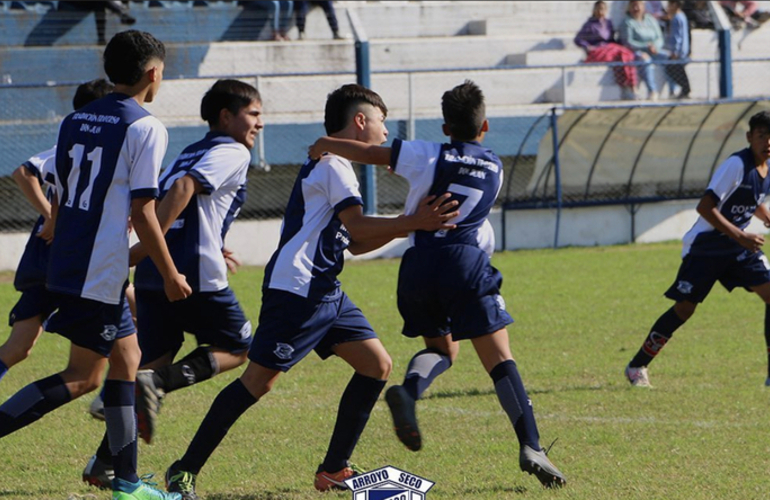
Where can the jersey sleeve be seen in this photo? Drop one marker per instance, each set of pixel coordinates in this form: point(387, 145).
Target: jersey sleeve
point(340, 183)
point(146, 143)
point(219, 165)
point(726, 179)
point(36, 164)
point(413, 160)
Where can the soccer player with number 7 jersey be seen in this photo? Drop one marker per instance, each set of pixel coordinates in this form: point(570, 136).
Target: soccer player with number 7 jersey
point(108, 158)
point(447, 287)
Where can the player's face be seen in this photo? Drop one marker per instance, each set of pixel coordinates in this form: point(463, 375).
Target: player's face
point(244, 126)
point(759, 141)
point(374, 131)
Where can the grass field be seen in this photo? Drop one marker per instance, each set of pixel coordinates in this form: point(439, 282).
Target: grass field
point(580, 313)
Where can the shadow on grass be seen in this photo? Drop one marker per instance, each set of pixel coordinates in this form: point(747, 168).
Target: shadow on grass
point(277, 494)
point(519, 490)
point(459, 394)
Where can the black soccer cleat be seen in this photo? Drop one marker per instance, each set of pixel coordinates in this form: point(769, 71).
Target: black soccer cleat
point(402, 407)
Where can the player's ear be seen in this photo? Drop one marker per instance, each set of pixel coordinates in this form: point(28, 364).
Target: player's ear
point(485, 126)
point(360, 120)
point(445, 129)
point(224, 117)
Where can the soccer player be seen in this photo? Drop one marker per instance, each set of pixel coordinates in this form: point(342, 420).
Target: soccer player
point(718, 247)
point(35, 304)
point(447, 288)
point(303, 307)
point(201, 192)
point(108, 157)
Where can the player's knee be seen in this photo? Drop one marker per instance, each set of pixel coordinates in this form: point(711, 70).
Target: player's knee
point(684, 310)
point(383, 367)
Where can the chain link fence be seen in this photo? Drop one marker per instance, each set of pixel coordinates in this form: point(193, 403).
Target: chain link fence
point(519, 133)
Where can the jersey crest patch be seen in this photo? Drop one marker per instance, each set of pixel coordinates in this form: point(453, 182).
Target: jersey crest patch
point(283, 351)
point(684, 287)
point(109, 333)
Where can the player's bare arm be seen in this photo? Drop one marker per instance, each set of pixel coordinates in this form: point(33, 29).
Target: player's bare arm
point(763, 214)
point(148, 229)
point(432, 215)
point(356, 151)
point(169, 208)
point(30, 187)
point(707, 208)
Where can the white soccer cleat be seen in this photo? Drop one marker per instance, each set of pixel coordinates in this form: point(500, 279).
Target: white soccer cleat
point(638, 376)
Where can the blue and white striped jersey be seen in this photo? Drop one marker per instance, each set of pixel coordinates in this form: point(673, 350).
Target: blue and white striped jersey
point(310, 252)
point(472, 173)
point(738, 189)
point(196, 238)
point(34, 261)
point(108, 153)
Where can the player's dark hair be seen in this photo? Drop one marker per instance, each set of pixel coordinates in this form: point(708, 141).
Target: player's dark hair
point(464, 111)
point(232, 95)
point(342, 103)
point(760, 120)
point(128, 53)
point(91, 91)
point(678, 3)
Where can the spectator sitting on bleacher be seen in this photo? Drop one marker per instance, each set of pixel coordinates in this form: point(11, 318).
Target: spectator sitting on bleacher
point(678, 45)
point(698, 14)
point(281, 15)
point(597, 38)
point(749, 16)
point(641, 33)
point(302, 8)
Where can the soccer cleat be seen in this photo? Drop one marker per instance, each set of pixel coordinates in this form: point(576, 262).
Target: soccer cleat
point(98, 473)
point(96, 409)
point(402, 408)
point(638, 376)
point(148, 401)
point(328, 481)
point(537, 463)
point(179, 481)
point(124, 490)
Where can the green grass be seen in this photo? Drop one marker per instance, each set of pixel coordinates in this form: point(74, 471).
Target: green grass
point(581, 313)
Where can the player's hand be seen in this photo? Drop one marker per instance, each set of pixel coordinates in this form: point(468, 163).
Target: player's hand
point(46, 231)
point(176, 288)
point(231, 261)
point(433, 213)
point(752, 242)
point(316, 150)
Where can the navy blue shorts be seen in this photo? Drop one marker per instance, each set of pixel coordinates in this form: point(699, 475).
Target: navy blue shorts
point(698, 273)
point(450, 289)
point(215, 318)
point(36, 301)
point(91, 324)
point(290, 326)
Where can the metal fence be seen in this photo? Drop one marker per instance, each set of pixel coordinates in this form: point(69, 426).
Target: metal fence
point(520, 101)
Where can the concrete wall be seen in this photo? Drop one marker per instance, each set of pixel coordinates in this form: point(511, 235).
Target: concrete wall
point(255, 241)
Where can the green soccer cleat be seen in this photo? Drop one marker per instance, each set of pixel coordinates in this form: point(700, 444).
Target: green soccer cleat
point(124, 490)
point(181, 482)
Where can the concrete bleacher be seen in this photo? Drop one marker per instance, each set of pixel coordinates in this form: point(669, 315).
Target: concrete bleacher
point(459, 37)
